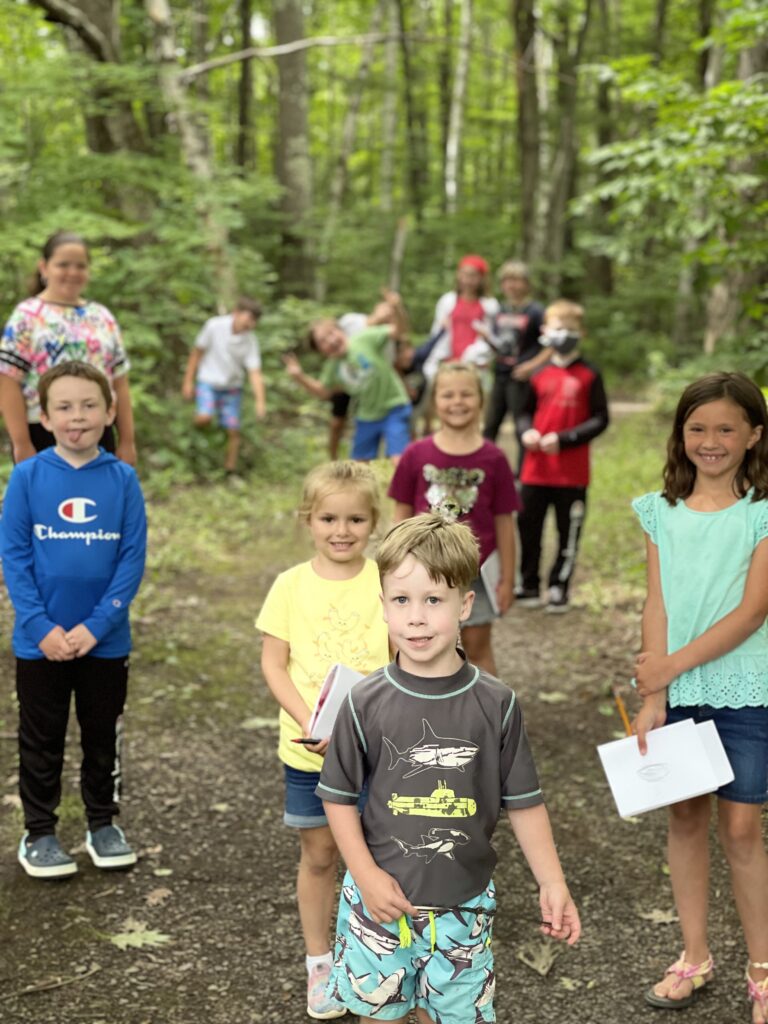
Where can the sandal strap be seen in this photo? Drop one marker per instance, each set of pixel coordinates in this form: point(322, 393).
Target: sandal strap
point(756, 963)
point(757, 991)
point(695, 973)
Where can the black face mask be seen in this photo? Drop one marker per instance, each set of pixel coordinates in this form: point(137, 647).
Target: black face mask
point(560, 340)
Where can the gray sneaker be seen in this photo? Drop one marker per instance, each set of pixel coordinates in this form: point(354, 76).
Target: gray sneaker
point(44, 858)
point(108, 848)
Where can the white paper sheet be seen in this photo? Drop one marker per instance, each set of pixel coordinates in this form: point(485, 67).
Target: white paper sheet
point(684, 760)
point(334, 690)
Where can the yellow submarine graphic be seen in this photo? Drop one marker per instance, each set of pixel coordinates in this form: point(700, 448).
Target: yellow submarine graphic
point(441, 803)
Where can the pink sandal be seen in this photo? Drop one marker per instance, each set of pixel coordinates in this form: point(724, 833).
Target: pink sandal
point(698, 974)
point(757, 991)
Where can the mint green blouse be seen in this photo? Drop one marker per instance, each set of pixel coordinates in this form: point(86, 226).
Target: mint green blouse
point(704, 559)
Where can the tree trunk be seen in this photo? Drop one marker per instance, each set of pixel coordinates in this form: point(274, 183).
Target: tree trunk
point(339, 175)
point(601, 266)
point(244, 148)
point(455, 121)
point(418, 170)
point(194, 147)
point(563, 172)
point(94, 30)
point(294, 170)
point(389, 112)
point(445, 89)
point(729, 296)
point(528, 135)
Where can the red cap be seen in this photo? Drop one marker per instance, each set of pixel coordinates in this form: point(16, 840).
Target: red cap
point(474, 261)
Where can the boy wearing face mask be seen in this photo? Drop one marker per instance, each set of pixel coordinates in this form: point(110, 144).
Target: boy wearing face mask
point(565, 408)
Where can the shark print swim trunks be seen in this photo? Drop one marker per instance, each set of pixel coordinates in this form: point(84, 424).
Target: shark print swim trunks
point(440, 960)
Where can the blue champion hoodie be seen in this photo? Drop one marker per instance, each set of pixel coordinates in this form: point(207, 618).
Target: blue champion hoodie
point(73, 544)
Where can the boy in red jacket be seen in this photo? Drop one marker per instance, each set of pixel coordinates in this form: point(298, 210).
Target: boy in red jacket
point(566, 407)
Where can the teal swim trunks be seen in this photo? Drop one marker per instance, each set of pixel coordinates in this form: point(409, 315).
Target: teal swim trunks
point(440, 960)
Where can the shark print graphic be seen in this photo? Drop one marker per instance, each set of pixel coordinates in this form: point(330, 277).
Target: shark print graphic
point(437, 842)
point(485, 998)
point(460, 956)
point(432, 751)
point(373, 936)
point(389, 989)
point(426, 988)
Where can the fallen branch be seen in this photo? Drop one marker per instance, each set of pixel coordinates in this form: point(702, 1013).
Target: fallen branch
point(48, 986)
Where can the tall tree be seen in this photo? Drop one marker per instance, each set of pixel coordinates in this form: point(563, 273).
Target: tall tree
point(528, 133)
point(456, 118)
point(294, 170)
point(244, 150)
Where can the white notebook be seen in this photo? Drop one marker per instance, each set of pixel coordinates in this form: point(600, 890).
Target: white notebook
point(684, 760)
point(490, 574)
point(334, 690)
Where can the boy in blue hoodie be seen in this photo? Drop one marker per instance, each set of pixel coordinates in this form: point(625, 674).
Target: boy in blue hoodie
point(73, 543)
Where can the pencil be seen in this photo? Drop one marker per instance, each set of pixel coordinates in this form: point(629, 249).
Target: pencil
point(622, 711)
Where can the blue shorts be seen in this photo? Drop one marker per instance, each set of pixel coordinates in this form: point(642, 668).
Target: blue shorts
point(447, 969)
point(482, 613)
point(744, 734)
point(224, 403)
point(302, 808)
point(395, 429)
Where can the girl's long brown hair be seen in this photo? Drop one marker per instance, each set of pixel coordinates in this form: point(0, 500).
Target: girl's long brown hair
point(679, 471)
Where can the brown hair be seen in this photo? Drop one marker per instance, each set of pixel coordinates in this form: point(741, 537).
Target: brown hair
point(679, 471)
point(51, 244)
point(315, 324)
point(448, 551)
point(246, 305)
point(73, 369)
point(333, 477)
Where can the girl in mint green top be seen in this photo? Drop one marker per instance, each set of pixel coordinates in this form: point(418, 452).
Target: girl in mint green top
point(705, 657)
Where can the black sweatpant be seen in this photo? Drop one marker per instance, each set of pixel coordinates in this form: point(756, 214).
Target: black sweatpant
point(570, 504)
point(45, 691)
point(507, 395)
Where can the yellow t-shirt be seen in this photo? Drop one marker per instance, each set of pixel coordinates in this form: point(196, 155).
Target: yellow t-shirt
point(324, 622)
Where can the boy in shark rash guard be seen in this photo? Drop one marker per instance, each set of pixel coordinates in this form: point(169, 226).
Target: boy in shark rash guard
point(442, 747)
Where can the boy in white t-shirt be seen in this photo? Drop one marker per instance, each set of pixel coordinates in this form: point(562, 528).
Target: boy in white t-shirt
point(225, 349)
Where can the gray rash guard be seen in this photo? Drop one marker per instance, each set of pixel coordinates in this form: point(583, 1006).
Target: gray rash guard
point(441, 756)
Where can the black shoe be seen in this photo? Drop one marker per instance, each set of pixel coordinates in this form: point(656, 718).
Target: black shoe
point(557, 601)
point(527, 598)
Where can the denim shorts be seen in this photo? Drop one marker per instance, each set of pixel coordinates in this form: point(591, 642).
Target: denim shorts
point(744, 734)
point(394, 429)
point(224, 403)
point(482, 613)
point(302, 808)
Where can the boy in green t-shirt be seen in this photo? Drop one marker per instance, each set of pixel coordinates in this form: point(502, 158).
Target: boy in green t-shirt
point(363, 367)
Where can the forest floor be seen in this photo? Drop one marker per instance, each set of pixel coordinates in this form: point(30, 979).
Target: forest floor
point(204, 929)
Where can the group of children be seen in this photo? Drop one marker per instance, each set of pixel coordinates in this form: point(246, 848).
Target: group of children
point(430, 732)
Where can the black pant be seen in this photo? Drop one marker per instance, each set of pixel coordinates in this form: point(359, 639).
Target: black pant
point(45, 690)
point(570, 504)
point(506, 397)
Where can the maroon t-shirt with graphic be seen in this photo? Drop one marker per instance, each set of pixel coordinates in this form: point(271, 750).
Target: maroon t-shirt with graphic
point(478, 486)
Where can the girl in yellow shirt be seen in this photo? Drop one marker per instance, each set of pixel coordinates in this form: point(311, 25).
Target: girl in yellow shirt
point(317, 614)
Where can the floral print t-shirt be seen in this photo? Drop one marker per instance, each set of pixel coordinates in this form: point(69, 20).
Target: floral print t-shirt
point(41, 334)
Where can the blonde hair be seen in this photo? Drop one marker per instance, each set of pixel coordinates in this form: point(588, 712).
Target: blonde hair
point(453, 370)
point(332, 477)
point(571, 314)
point(448, 551)
point(514, 268)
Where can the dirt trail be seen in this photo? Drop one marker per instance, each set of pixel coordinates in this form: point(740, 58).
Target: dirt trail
point(203, 803)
